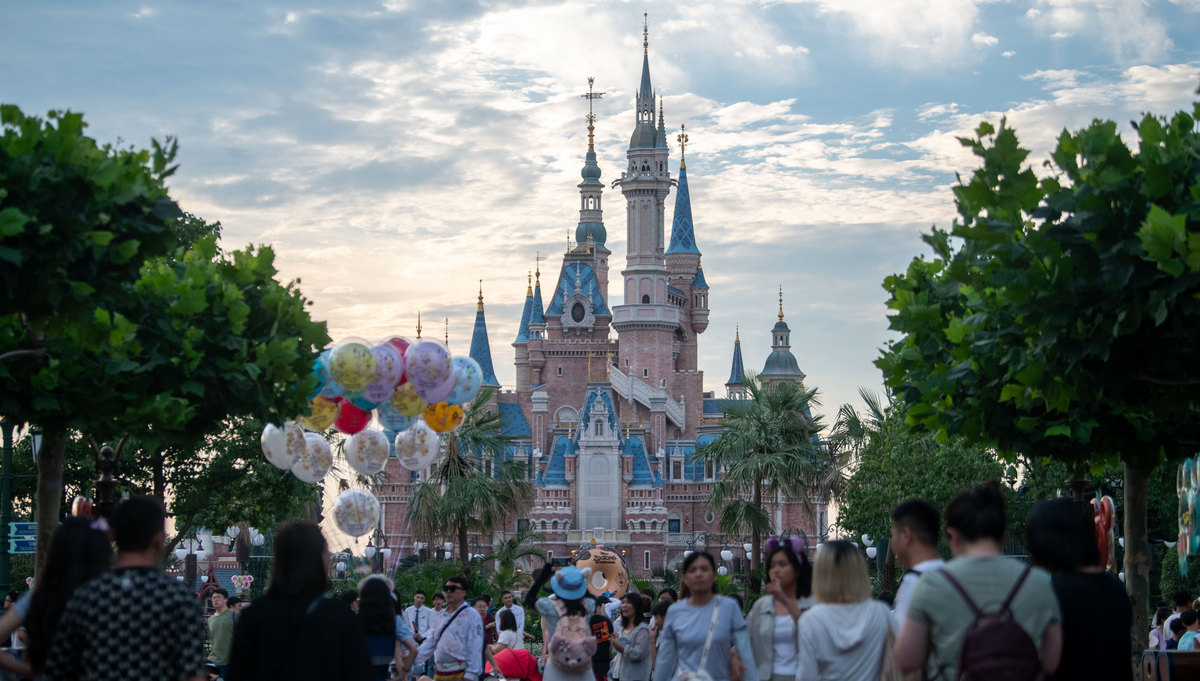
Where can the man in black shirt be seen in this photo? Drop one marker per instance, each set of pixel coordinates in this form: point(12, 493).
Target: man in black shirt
point(133, 622)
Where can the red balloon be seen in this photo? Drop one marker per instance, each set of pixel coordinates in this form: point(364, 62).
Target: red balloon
point(351, 419)
point(402, 345)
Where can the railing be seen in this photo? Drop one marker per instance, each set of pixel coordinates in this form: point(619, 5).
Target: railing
point(601, 536)
point(643, 394)
point(678, 539)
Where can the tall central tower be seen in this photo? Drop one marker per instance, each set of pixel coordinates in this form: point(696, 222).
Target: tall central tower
point(647, 320)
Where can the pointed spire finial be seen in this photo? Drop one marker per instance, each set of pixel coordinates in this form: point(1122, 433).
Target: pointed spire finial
point(683, 140)
point(537, 259)
point(447, 332)
point(418, 325)
point(528, 285)
point(479, 308)
point(591, 95)
point(645, 33)
point(781, 302)
point(737, 335)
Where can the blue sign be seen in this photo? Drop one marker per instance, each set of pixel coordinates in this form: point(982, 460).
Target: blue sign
point(22, 530)
point(22, 545)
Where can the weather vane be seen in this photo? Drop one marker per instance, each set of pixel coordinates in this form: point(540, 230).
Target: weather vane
point(591, 95)
point(683, 140)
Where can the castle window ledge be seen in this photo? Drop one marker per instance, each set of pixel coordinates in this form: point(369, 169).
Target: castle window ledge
point(677, 539)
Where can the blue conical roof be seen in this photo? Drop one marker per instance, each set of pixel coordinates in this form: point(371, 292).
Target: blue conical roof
point(698, 281)
point(683, 239)
point(535, 314)
point(645, 92)
point(481, 350)
point(736, 372)
point(523, 329)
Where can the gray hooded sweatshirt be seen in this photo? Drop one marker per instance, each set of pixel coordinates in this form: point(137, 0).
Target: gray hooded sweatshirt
point(843, 641)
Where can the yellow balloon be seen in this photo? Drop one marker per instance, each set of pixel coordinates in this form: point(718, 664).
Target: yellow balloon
point(322, 412)
point(405, 400)
point(443, 417)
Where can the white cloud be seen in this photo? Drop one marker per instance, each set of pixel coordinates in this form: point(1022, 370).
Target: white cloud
point(982, 39)
point(144, 12)
point(1007, 54)
point(1127, 27)
point(932, 111)
point(914, 35)
point(1055, 77)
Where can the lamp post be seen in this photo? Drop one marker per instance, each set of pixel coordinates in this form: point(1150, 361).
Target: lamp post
point(191, 551)
point(6, 479)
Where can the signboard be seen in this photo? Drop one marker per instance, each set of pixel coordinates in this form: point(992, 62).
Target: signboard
point(22, 530)
point(22, 545)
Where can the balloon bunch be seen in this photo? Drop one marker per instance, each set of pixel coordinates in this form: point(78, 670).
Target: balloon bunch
point(414, 390)
point(1187, 484)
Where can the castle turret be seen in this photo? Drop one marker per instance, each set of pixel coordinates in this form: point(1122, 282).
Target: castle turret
point(521, 344)
point(781, 364)
point(735, 387)
point(481, 350)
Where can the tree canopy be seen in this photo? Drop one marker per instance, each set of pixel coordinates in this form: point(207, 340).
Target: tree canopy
point(1055, 316)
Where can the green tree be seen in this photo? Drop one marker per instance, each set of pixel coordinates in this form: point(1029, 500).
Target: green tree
point(1055, 318)
point(506, 553)
point(769, 449)
point(460, 493)
point(77, 220)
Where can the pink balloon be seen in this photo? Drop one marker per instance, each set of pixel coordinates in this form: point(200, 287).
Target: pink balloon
point(438, 393)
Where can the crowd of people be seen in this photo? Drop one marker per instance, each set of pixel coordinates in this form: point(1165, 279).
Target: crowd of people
point(980, 614)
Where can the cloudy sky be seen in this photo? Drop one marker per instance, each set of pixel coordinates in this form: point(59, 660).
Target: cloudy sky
point(396, 152)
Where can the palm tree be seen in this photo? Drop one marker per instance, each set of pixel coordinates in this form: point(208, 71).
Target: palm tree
point(525, 543)
point(769, 446)
point(461, 493)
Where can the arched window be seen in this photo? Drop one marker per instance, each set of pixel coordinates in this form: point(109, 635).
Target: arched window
point(645, 300)
point(560, 371)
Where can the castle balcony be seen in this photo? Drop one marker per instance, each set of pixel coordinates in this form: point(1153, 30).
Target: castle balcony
point(681, 540)
point(606, 537)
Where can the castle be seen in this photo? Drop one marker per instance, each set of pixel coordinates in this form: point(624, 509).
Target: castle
point(609, 404)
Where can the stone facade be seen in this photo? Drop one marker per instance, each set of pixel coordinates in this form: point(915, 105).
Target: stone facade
point(609, 403)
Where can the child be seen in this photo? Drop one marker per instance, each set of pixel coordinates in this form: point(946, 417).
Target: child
point(602, 629)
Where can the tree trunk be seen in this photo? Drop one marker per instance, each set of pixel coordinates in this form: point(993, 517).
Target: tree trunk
point(49, 488)
point(463, 553)
point(756, 538)
point(888, 578)
point(160, 478)
point(1137, 554)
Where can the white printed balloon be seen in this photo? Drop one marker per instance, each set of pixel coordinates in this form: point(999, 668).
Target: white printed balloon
point(417, 447)
point(317, 458)
point(367, 451)
point(283, 446)
point(356, 512)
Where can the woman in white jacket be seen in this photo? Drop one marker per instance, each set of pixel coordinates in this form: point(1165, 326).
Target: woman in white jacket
point(773, 620)
point(843, 636)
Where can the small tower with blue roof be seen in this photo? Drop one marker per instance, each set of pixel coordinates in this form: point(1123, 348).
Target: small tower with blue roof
point(481, 349)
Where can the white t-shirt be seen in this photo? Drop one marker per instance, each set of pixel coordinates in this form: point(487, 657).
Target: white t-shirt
point(783, 644)
point(509, 638)
point(905, 590)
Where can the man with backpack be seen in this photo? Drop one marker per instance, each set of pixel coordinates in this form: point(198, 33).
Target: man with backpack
point(984, 615)
point(455, 639)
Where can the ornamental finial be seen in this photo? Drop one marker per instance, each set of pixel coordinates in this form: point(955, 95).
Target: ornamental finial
point(528, 285)
point(479, 308)
point(418, 325)
point(645, 33)
point(781, 302)
point(683, 140)
point(737, 335)
point(591, 95)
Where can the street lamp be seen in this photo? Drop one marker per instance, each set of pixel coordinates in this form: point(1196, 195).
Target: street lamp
point(190, 551)
point(747, 547)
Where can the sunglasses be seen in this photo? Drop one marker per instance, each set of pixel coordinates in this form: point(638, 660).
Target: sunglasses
point(450, 587)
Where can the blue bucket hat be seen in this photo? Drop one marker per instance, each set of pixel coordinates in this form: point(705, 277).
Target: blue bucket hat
point(570, 583)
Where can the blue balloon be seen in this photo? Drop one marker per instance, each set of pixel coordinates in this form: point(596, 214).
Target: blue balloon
point(363, 403)
point(318, 373)
point(393, 420)
point(468, 379)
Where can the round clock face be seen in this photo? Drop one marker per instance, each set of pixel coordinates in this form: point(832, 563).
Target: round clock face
point(577, 312)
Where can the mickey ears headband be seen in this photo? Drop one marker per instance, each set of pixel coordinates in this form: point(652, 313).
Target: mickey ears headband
point(797, 545)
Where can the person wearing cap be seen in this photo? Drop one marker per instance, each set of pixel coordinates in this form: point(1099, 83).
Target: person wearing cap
point(570, 597)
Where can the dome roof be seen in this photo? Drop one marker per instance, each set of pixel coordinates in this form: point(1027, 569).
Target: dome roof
point(590, 171)
point(593, 229)
point(644, 137)
point(780, 326)
point(781, 363)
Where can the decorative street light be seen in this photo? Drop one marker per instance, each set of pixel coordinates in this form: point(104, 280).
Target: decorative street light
point(747, 547)
point(190, 551)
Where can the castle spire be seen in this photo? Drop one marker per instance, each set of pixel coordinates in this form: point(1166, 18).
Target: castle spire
point(683, 236)
point(781, 302)
point(481, 350)
point(645, 34)
point(591, 217)
point(523, 328)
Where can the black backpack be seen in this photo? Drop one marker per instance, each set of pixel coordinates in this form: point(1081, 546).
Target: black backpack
point(995, 646)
